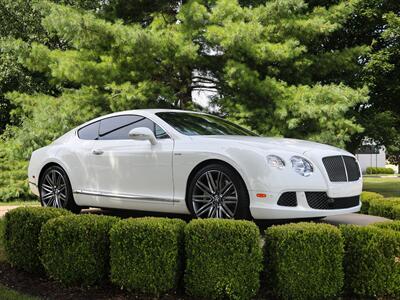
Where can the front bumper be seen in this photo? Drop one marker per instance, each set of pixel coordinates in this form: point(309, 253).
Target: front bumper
point(268, 208)
point(34, 188)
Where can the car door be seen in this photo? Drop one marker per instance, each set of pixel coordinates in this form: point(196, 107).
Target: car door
point(129, 170)
point(78, 158)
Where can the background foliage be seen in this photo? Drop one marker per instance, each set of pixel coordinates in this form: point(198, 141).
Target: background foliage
point(324, 70)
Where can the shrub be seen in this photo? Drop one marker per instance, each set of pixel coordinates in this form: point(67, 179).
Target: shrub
point(21, 235)
point(304, 260)
point(386, 207)
point(366, 198)
point(75, 249)
point(146, 254)
point(392, 225)
point(375, 170)
point(396, 212)
point(371, 261)
point(224, 258)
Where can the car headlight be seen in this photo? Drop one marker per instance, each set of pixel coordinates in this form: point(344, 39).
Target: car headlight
point(302, 166)
point(275, 161)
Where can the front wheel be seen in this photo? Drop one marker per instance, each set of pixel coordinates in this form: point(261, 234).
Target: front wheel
point(218, 191)
point(55, 190)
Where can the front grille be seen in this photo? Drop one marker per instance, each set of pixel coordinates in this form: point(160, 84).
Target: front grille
point(341, 168)
point(288, 199)
point(320, 200)
point(353, 171)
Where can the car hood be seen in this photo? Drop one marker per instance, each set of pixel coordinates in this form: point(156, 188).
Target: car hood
point(294, 145)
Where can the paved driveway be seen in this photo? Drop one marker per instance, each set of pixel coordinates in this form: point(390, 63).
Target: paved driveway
point(4, 209)
point(358, 219)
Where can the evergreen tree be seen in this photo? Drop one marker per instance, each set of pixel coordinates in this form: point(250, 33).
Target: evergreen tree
point(267, 62)
point(270, 70)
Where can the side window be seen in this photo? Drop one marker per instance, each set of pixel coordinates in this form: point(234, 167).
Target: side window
point(159, 132)
point(89, 132)
point(118, 128)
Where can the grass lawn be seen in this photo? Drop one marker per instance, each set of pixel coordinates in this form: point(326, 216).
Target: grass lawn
point(388, 187)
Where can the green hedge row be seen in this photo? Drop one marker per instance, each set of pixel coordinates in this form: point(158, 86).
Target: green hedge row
point(21, 235)
point(146, 254)
point(223, 259)
point(392, 225)
point(386, 207)
point(210, 258)
point(366, 198)
point(375, 204)
point(375, 170)
point(75, 249)
point(371, 261)
point(304, 260)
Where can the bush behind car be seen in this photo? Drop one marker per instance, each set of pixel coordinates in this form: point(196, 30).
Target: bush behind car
point(377, 170)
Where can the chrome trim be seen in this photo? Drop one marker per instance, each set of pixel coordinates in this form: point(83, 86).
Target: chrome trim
point(345, 168)
point(124, 196)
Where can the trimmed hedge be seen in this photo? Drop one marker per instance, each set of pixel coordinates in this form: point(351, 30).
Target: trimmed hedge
point(386, 207)
point(224, 259)
point(304, 260)
point(392, 225)
point(375, 170)
point(146, 254)
point(371, 261)
point(366, 198)
point(75, 249)
point(21, 235)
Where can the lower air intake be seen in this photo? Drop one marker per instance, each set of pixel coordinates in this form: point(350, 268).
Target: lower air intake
point(320, 200)
point(288, 199)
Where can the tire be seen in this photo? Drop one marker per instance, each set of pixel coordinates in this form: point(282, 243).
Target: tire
point(55, 190)
point(218, 191)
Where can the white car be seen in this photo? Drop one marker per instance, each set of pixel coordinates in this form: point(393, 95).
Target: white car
point(187, 162)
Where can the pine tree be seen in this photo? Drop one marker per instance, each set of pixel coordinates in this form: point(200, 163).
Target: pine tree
point(266, 62)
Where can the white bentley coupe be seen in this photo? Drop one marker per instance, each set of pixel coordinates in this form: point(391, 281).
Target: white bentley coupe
point(187, 162)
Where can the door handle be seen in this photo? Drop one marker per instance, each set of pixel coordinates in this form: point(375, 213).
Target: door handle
point(97, 152)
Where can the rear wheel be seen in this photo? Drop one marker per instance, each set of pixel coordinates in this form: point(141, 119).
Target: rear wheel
point(55, 190)
point(218, 191)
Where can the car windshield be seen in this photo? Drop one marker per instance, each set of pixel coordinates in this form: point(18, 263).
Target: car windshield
point(202, 124)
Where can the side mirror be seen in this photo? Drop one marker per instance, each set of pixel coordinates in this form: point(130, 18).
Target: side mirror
point(143, 134)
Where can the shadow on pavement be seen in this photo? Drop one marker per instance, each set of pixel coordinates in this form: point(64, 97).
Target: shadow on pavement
point(262, 224)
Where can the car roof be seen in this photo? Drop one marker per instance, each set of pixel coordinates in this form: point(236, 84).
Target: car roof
point(156, 110)
point(141, 112)
point(146, 112)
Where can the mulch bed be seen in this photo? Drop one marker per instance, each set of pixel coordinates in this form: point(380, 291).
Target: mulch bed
point(44, 288)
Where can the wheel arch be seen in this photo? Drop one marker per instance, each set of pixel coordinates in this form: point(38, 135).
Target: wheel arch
point(45, 167)
point(209, 162)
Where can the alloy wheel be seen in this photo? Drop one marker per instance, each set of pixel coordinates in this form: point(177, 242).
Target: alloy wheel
point(53, 189)
point(214, 196)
